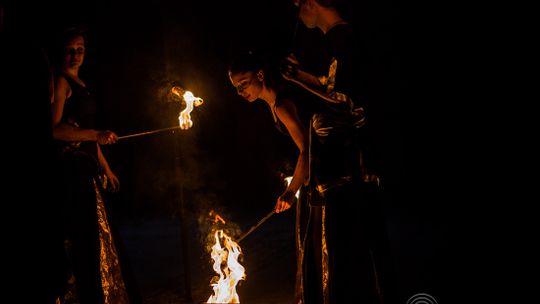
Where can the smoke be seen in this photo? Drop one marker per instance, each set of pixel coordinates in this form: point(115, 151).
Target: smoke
point(212, 218)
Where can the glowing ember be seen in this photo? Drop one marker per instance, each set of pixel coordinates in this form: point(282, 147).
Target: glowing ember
point(184, 118)
point(288, 180)
point(228, 268)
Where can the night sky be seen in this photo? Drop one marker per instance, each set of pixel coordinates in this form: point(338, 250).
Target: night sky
point(233, 158)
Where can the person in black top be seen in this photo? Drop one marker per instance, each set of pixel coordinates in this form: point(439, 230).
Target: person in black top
point(93, 268)
point(332, 61)
point(253, 82)
point(334, 73)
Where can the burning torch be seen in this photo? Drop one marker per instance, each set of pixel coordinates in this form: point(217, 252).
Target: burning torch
point(184, 118)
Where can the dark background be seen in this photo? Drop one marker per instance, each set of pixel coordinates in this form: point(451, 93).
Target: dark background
point(233, 159)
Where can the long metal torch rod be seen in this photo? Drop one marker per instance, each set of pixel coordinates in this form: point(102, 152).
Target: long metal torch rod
point(256, 226)
point(148, 132)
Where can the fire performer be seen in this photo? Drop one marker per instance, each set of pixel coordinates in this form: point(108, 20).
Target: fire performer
point(334, 67)
point(254, 80)
point(94, 274)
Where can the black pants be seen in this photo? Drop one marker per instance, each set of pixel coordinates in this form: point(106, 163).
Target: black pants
point(81, 227)
point(359, 262)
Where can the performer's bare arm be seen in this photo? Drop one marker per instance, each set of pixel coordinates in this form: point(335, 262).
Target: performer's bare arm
point(287, 114)
point(112, 180)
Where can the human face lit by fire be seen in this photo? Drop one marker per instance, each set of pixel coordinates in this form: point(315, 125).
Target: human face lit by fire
point(306, 13)
point(248, 84)
point(74, 51)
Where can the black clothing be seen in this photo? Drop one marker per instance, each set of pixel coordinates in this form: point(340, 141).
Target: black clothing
point(80, 111)
point(93, 268)
point(342, 246)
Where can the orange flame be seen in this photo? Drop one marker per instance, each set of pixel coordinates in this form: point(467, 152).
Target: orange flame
point(228, 268)
point(184, 118)
point(288, 180)
point(217, 217)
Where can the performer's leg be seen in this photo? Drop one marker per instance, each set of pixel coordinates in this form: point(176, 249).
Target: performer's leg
point(352, 272)
point(313, 261)
point(301, 227)
point(83, 236)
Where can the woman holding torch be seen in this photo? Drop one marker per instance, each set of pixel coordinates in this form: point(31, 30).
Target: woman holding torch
point(94, 270)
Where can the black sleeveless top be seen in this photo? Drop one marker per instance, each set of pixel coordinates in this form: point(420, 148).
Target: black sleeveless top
point(304, 108)
point(79, 111)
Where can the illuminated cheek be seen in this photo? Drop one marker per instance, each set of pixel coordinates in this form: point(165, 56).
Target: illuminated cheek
point(253, 91)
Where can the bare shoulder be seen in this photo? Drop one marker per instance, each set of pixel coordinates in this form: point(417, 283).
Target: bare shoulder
point(61, 86)
point(285, 105)
point(286, 110)
point(61, 80)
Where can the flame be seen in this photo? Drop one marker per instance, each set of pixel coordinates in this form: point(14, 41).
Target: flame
point(230, 273)
point(184, 118)
point(288, 180)
point(217, 217)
